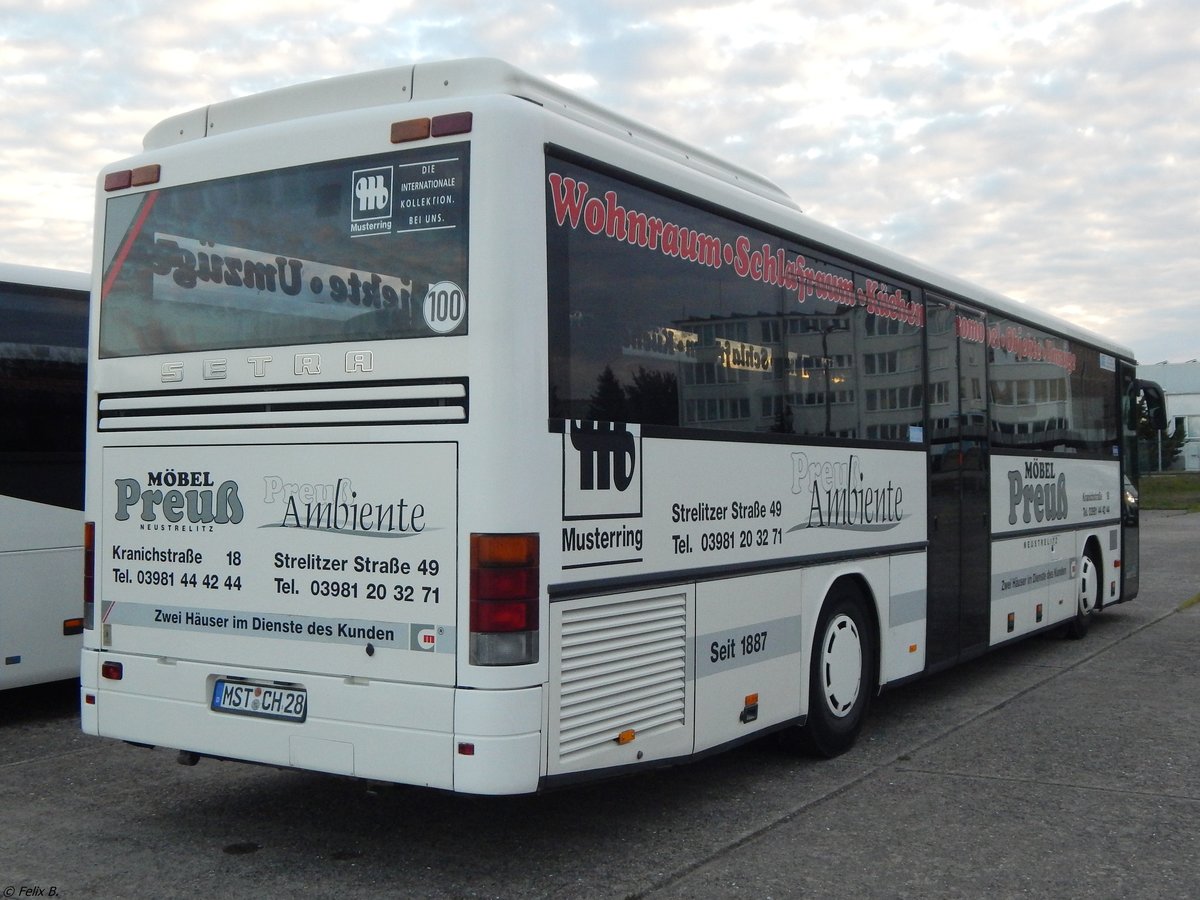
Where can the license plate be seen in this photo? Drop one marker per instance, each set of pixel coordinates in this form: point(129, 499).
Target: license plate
point(266, 701)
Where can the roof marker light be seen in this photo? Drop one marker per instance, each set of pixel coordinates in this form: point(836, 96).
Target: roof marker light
point(139, 177)
point(438, 126)
point(116, 181)
point(453, 123)
point(144, 175)
point(410, 130)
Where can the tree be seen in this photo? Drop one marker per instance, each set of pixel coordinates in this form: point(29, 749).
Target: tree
point(608, 400)
point(653, 397)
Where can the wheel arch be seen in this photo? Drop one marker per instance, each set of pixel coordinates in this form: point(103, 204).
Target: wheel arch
point(1091, 545)
point(1091, 555)
point(826, 731)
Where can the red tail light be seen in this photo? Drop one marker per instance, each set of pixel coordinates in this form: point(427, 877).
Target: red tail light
point(505, 585)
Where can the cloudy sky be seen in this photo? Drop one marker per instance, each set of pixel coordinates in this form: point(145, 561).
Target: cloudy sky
point(1047, 149)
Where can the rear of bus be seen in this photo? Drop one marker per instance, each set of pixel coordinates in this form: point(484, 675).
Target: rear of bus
point(318, 357)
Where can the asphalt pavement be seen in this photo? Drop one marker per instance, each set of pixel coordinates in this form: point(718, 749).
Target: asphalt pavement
point(1086, 783)
point(1050, 768)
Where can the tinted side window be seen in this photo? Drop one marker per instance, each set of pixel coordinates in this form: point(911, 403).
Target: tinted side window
point(43, 376)
point(1049, 394)
point(666, 313)
point(1094, 398)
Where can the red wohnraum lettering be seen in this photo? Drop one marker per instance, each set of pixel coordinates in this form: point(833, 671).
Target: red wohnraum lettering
point(766, 264)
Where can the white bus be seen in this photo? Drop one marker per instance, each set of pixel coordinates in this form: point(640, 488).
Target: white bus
point(447, 429)
point(43, 363)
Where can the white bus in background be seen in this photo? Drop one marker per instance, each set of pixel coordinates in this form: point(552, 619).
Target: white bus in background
point(448, 429)
point(43, 376)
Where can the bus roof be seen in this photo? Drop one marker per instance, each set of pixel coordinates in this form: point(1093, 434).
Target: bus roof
point(435, 81)
point(490, 77)
point(40, 277)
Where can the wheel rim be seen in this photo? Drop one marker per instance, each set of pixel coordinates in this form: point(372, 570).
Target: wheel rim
point(841, 665)
point(1089, 587)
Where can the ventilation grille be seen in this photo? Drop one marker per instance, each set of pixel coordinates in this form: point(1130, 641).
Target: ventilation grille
point(387, 403)
point(624, 666)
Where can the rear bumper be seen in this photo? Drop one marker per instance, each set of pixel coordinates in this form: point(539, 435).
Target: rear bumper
point(440, 737)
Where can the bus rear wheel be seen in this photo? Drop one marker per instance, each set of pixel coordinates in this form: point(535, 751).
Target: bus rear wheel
point(1089, 596)
point(841, 675)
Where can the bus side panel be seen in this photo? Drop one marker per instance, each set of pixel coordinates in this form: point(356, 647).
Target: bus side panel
point(903, 622)
point(29, 525)
point(49, 583)
point(1023, 570)
point(1112, 562)
point(1037, 580)
point(621, 679)
point(1044, 510)
point(749, 655)
point(688, 505)
point(755, 636)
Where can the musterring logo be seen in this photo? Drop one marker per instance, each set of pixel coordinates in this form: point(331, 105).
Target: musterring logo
point(193, 497)
point(372, 193)
point(337, 507)
point(372, 199)
point(607, 455)
point(841, 497)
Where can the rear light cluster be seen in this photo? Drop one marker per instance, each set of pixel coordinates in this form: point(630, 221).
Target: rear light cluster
point(505, 584)
point(89, 574)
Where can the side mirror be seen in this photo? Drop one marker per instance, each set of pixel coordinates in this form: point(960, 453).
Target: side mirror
point(1155, 401)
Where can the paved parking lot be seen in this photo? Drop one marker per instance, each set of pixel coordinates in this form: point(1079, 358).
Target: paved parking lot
point(1049, 769)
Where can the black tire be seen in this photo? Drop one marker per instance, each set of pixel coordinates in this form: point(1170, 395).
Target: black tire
point(841, 675)
point(1088, 601)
